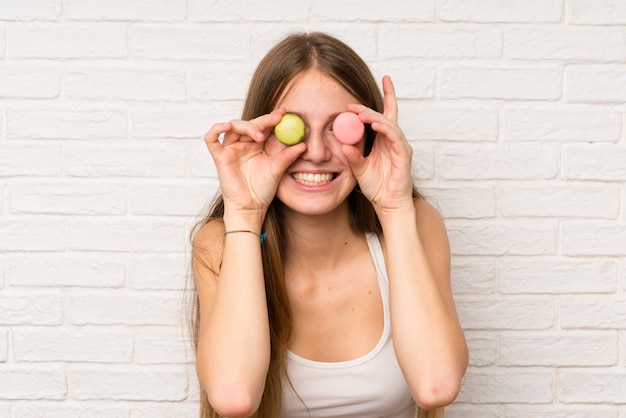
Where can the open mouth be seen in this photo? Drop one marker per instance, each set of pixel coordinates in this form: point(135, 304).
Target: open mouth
point(314, 179)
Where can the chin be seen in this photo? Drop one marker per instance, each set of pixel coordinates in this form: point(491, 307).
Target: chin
point(314, 206)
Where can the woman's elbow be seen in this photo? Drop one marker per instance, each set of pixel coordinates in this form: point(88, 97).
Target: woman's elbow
point(233, 403)
point(436, 395)
point(234, 397)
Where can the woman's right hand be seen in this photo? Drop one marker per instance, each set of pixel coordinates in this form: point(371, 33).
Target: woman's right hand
point(249, 176)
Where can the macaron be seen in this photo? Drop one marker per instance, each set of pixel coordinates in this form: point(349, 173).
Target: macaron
point(290, 130)
point(348, 129)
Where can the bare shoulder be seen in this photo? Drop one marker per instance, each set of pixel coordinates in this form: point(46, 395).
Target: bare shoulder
point(432, 232)
point(208, 248)
point(430, 223)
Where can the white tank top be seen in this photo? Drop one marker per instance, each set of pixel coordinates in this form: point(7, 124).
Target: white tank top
point(371, 386)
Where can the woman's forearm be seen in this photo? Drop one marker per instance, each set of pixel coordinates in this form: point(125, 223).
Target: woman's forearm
point(428, 339)
point(234, 343)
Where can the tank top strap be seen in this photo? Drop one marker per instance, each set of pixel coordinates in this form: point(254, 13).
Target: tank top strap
point(376, 251)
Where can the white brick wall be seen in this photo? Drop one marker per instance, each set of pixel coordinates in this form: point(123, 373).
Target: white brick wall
point(517, 113)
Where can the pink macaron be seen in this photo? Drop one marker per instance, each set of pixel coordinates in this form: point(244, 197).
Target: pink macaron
point(348, 129)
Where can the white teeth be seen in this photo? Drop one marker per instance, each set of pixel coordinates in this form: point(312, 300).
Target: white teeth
point(310, 179)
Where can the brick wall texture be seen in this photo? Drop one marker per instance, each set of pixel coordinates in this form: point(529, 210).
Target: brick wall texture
point(517, 113)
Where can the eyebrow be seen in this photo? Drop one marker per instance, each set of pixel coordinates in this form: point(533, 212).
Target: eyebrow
point(332, 117)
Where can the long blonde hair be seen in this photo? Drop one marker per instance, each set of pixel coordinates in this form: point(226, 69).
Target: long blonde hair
point(290, 57)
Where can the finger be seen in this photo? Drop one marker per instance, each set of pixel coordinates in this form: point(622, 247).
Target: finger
point(285, 157)
point(243, 131)
point(389, 99)
point(367, 115)
point(212, 137)
point(266, 122)
point(356, 160)
point(379, 122)
point(257, 129)
point(394, 137)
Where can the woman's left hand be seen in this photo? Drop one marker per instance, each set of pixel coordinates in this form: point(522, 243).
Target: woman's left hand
point(384, 176)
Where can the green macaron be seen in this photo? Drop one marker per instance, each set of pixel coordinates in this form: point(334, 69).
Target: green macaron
point(290, 130)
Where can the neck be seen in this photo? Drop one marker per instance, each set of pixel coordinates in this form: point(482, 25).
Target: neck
point(320, 241)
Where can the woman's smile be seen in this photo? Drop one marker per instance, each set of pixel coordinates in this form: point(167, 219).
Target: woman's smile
point(313, 179)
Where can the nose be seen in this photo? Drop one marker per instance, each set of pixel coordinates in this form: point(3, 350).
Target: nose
point(317, 147)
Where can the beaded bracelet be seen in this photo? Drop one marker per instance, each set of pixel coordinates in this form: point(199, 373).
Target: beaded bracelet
point(261, 236)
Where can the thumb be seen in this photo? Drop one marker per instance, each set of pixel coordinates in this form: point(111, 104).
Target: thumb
point(356, 160)
point(286, 157)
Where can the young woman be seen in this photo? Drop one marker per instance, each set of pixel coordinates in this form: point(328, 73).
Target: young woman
point(345, 309)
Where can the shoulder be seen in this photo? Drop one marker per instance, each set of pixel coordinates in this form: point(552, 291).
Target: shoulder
point(429, 219)
point(208, 248)
point(432, 231)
